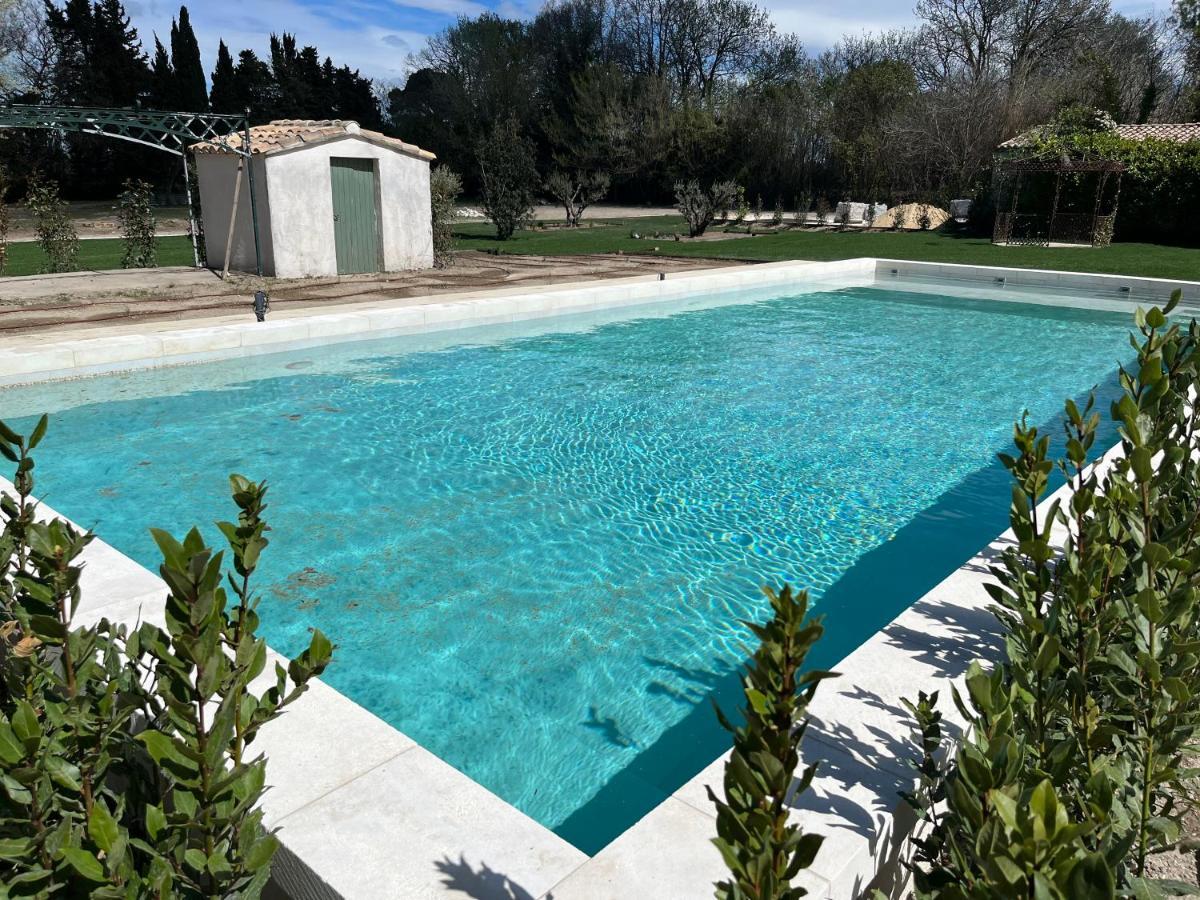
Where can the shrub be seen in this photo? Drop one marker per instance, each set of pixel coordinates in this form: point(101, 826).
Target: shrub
point(699, 206)
point(822, 211)
point(55, 231)
point(125, 771)
point(138, 226)
point(1072, 771)
point(577, 192)
point(508, 177)
point(777, 215)
point(740, 205)
point(758, 208)
point(445, 185)
point(3, 221)
point(762, 849)
point(924, 220)
point(801, 214)
point(843, 216)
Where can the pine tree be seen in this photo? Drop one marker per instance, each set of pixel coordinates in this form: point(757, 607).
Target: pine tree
point(224, 83)
point(191, 91)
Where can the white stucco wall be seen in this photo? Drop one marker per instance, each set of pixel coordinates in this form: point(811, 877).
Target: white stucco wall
point(302, 207)
point(215, 173)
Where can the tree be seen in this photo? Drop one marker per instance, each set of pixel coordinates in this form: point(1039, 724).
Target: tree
point(223, 96)
point(699, 207)
point(868, 99)
point(191, 91)
point(577, 191)
point(508, 176)
point(254, 87)
point(163, 86)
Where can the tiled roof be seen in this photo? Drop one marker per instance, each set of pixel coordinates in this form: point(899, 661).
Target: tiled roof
point(1180, 133)
point(284, 134)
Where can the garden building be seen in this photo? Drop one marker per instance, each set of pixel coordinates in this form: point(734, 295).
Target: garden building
point(1054, 189)
point(330, 198)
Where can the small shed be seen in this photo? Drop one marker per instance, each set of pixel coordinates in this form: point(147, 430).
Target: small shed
point(332, 199)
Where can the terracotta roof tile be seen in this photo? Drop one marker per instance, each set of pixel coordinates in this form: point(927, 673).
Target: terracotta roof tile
point(1180, 132)
point(283, 134)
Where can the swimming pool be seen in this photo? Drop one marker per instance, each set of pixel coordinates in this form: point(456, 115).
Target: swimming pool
point(534, 545)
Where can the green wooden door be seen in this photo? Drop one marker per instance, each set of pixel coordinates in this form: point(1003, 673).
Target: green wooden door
point(355, 222)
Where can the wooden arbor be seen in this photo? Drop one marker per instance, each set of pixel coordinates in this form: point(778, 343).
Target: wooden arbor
point(1076, 214)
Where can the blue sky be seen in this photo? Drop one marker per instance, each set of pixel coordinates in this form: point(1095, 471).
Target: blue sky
point(377, 36)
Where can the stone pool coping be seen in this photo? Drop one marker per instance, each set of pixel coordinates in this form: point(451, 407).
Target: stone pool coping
point(366, 812)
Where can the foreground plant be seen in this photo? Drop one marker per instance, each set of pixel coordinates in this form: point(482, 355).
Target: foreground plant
point(125, 771)
point(762, 848)
point(1072, 774)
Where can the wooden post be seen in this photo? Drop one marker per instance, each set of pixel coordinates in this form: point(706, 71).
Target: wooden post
point(187, 183)
point(237, 194)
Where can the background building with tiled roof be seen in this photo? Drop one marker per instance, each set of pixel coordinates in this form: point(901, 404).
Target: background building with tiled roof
point(1179, 133)
point(331, 197)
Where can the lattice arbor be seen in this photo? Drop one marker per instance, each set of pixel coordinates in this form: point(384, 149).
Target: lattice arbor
point(170, 132)
point(1074, 201)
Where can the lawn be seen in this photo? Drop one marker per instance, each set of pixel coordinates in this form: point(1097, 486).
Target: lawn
point(1126, 259)
point(26, 257)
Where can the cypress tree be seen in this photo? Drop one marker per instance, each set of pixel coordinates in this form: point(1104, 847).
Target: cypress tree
point(191, 90)
point(224, 83)
point(163, 94)
point(254, 86)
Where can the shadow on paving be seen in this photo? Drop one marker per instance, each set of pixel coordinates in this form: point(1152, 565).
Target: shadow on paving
point(878, 587)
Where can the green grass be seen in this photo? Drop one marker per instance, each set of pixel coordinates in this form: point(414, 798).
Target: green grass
point(1152, 260)
point(27, 258)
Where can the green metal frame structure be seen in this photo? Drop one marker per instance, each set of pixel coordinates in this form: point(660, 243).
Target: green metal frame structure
point(170, 132)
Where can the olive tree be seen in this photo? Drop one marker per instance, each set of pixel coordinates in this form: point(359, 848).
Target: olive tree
point(577, 191)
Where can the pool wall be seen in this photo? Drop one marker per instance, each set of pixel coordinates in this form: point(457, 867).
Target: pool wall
point(365, 812)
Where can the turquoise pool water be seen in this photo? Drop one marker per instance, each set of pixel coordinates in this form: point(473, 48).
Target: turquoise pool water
point(534, 546)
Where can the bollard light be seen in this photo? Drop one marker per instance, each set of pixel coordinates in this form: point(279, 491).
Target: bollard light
point(261, 304)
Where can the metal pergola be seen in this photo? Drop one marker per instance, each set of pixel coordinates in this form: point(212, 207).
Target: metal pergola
point(170, 132)
point(1016, 227)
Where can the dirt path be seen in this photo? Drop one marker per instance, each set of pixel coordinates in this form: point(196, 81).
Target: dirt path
point(84, 298)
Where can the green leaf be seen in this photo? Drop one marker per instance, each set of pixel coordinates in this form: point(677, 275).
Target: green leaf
point(1092, 878)
point(39, 432)
point(14, 848)
point(25, 724)
point(64, 773)
point(156, 821)
point(11, 749)
point(84, 863)
point(102, 827)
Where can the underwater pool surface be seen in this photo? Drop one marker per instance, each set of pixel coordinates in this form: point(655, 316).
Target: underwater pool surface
point(534, 545)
